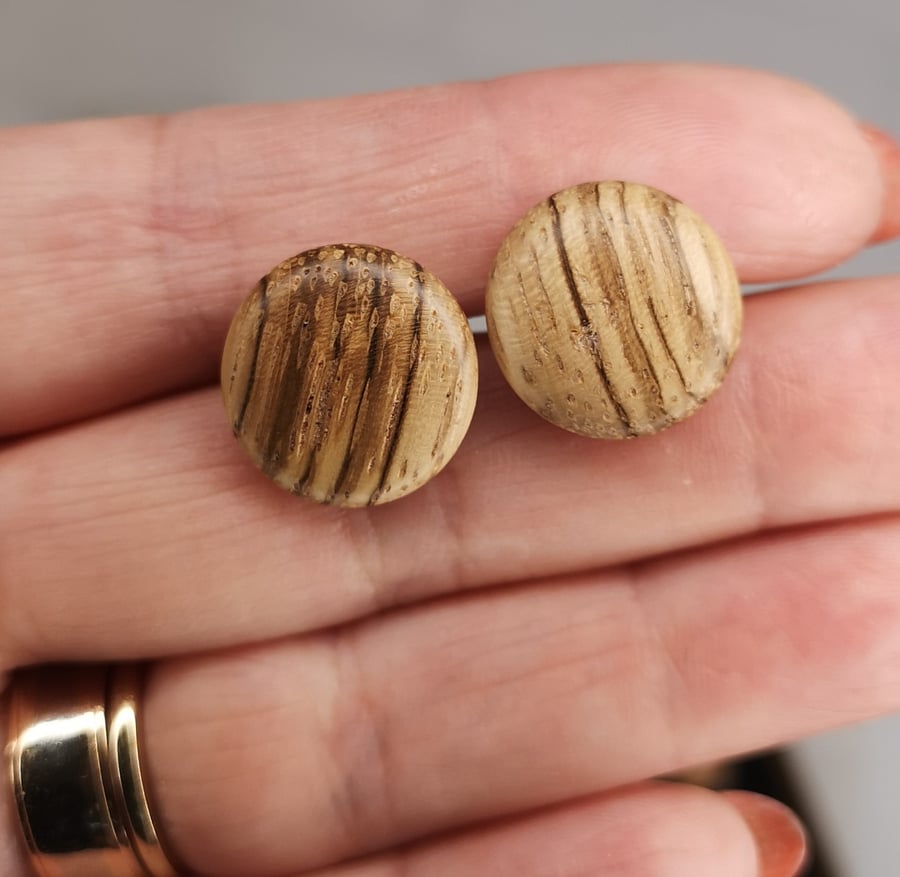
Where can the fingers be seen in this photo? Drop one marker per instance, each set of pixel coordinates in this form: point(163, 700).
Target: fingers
point(128, 244)
point(465, 710)
point(149, 533)
point(653, 830)
point(780, 836)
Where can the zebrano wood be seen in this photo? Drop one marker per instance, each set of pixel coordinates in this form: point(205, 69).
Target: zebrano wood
point(613, 309)
point(350, 375)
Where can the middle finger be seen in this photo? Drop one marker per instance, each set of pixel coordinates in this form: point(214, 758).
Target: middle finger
point(161, 500)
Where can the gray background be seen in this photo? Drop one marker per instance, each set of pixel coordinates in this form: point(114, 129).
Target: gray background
point(66, 59)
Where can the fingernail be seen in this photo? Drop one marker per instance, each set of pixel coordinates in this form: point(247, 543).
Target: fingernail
point(888, 152)
point(779, 834)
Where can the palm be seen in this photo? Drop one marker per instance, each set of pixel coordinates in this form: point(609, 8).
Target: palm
point(551, 617)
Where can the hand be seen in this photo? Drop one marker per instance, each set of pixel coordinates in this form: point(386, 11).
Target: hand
point(549, 619)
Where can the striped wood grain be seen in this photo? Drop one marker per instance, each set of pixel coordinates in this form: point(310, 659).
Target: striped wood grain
point(349, 375)
point(613, 309)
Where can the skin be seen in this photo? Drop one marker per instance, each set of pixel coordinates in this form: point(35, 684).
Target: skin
point(485, 674)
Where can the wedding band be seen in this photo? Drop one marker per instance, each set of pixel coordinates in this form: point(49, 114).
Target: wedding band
point(74, 763)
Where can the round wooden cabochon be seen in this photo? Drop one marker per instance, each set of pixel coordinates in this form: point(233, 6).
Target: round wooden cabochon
point(613, 310)
point(350, 375)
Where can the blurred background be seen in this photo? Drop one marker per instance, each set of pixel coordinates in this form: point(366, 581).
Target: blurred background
point(66, 59)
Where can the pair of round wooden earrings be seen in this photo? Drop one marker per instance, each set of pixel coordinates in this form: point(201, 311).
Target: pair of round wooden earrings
point(350, 373)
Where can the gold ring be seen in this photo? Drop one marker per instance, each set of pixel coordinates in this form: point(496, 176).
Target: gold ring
point(74, 764)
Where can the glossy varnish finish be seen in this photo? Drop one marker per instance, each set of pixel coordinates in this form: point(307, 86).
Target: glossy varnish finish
point(350, 375)
point(613, 309)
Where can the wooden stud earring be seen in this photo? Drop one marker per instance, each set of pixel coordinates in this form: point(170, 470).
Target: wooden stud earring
point(613, 310)
point(349, 375)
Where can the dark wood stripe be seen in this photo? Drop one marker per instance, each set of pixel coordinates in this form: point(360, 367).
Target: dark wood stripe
point(371, 358)
point(324, 420)
point(323, 415)
point(370, 426)
point(667, 221)
point(407, 387)
point(294, 387)
point(613, 255)
point(585, 319)
point(251, 377)
point(654, 314)
point(537, 270)
point(563, 255)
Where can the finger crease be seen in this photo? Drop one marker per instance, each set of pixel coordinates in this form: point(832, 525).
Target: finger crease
point(191, 227)
point(449, 501)
point(359, 749)
point(672, 688)
point(369, 558)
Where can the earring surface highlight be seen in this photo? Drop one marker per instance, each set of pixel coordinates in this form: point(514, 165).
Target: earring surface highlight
point(613, 310)
point(349, 375)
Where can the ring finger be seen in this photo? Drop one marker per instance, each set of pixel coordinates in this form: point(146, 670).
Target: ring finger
point(460, 711)
point(159, 498)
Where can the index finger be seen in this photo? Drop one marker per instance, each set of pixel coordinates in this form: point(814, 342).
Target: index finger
point(126, 245)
